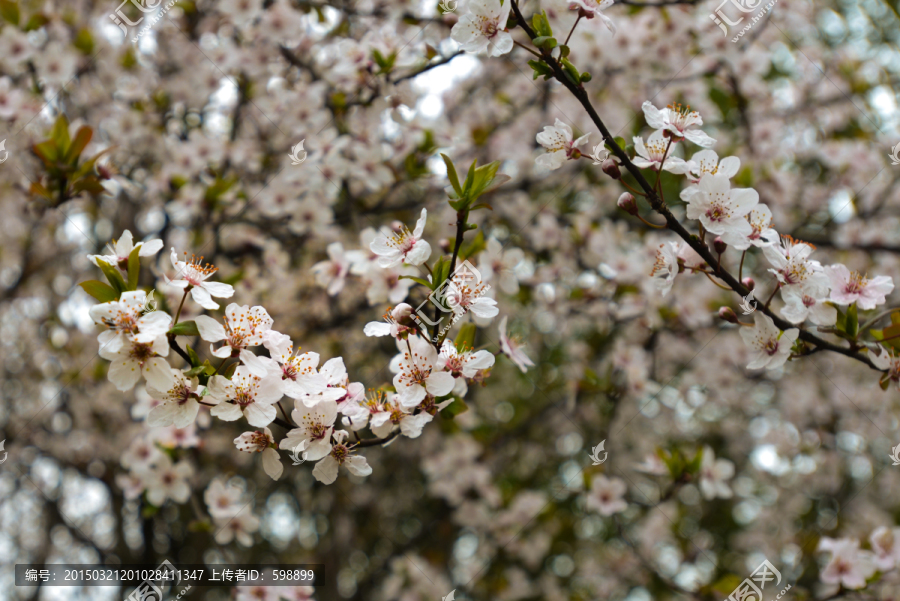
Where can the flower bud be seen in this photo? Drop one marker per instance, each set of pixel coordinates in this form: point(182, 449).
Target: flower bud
point(728, 314)
point(628, 204)
point(611, 169)
point(749, 282)
point(719, 245)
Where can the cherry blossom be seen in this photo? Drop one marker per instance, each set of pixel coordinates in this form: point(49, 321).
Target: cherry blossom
point(719, 207)
point(561, 146)
point(511, 347)
point(179, 405)
point(402, 246)
point(394, 323)
point(886, 546)
point(127, 321)
point(222, 500)
point(801, 305)
point(791, 266)
point(332, 274)
point(677, 121)
point(714, 474)
point(326, 470)
point(848, 566)
point(316, 425)
point(771, 345)
point(298, 372)
point(848, 287)
point(706, 162)
point(418, 373)
point(240, 527)
point(192, 276)
point(761, 234)
point(484, 28)
point(244, 394)
point(134, 359)
point(244, 327)
point(393, 414)
point(169, 481)
point(121, 250)
point(261, 441)
point(666, 266)
point(594, 8)
point(651, 154)
point(605, 496)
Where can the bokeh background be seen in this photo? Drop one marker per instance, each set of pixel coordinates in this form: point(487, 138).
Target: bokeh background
point(197, 119)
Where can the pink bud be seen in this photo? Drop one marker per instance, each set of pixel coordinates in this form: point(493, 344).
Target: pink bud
point(611, 169)
point(728, 315)
point(719, 245)
point(749, 282)
point(628, 204)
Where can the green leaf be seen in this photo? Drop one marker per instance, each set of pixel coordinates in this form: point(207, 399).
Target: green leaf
point(47, 152)
point(470, 176)
point(541, 24)
point(84, 41)
point(484, 175)
point(545, 41)
point(195, 371)
point(36, 22)
point(60, 135)
point(10, 11)
point(417, 280)
point(852, 322)
point(455, 408)
point(451, 175)
point(134, 268)
point(693, 466)
point(88, 184)
point(82, 138)
point(465, 339)
point(184, 328)
point(102, 292)
point(540, 68)
point(113, 276)
point(895, 317)
point(571, 71)
point(195, 360)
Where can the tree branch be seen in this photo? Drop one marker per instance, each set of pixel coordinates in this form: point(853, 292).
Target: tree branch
point(660, 207)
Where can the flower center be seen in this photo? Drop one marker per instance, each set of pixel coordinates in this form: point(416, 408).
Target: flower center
point(717, 212)
point(194, 270)
point(856, 284)
point(771, 347)
point(141, 352)
point(340, 452)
